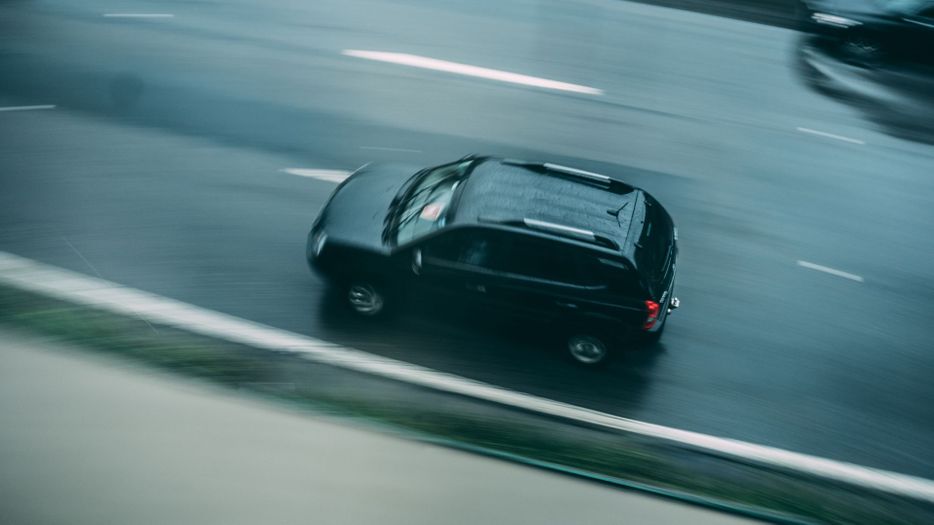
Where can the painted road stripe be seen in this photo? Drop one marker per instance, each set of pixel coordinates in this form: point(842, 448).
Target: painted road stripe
point(325, 175)
point(383, 148)
point(472, 71)
point(138, 15)
point(831, 271)
point(28, 108)
point(29, 275)
point(830, 135)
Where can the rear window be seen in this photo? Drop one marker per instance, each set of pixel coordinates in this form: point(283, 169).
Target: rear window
point(654, 244)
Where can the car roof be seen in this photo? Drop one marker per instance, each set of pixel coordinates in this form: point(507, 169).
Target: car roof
point(555, 200)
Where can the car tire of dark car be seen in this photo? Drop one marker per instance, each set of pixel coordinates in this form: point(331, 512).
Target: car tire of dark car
point(862, 49)
point(589, 348)
point(365, 298)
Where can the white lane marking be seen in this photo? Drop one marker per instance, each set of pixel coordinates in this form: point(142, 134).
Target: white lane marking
point(830, 135)
point(325, 175)
point(138, 15)
point(831, 271)
point(382, 148)
point(36, 277)
point(472, 71)
point(28, 108)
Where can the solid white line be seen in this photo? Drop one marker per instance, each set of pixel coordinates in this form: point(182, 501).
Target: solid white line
point(381, 148)
point(831, 271)
point(28, 108)
point(473, 71)
point(29, 275)
point(325, 175)
point(138, 15)
point(830, 135)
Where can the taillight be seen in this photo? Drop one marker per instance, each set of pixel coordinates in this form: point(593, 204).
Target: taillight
point(652, 317)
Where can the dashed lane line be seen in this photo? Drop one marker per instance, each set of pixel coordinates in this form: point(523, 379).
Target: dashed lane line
point(471, 71)
point(831, 271)
point(325, 175)
point(830, 135)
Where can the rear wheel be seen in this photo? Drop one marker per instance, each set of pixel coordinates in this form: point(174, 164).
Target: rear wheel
point(588, 349)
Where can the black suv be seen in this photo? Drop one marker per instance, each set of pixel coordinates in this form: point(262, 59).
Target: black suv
point(873, 32)
point(564, 247)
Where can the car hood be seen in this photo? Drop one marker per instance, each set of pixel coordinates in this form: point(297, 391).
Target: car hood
point(356, 212)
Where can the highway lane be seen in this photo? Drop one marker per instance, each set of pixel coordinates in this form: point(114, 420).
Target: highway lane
point(160, 169)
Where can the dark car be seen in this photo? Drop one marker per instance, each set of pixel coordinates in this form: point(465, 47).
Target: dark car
point(565, 248)
point(873, 32)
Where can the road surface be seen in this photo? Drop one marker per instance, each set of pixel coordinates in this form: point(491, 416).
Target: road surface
point(805, 231)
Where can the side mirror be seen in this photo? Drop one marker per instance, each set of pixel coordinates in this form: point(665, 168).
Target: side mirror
point(417, 261)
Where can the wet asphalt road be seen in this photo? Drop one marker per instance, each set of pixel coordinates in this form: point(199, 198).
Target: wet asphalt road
point(159, 168)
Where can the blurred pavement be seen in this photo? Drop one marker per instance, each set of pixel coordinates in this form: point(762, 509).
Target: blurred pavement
point(87, 440)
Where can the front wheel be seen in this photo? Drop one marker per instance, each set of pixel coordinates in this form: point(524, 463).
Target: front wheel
point(365, 298)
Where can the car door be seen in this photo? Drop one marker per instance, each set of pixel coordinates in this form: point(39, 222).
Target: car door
point(454, 268)
point(553, 282)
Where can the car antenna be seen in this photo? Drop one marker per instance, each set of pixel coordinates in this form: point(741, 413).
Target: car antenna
point(617, 211)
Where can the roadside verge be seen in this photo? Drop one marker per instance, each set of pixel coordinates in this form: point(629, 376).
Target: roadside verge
point(453, 411)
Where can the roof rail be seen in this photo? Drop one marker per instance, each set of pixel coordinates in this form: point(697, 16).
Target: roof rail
point(570, 231)
point(558, 229)
point(587, 235)
point(577, 173)
point(586, 176)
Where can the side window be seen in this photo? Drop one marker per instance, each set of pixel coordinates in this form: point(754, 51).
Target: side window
point(554, 262)
point(444, 247)
point(527, 257)
point(479, 249)
point(621, 279)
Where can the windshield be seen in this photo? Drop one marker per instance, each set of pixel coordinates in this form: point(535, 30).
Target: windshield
point(427, 203)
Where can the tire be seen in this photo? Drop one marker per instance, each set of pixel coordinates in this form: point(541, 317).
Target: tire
point(588, 349)
point(862, 50)
point(365, 298)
